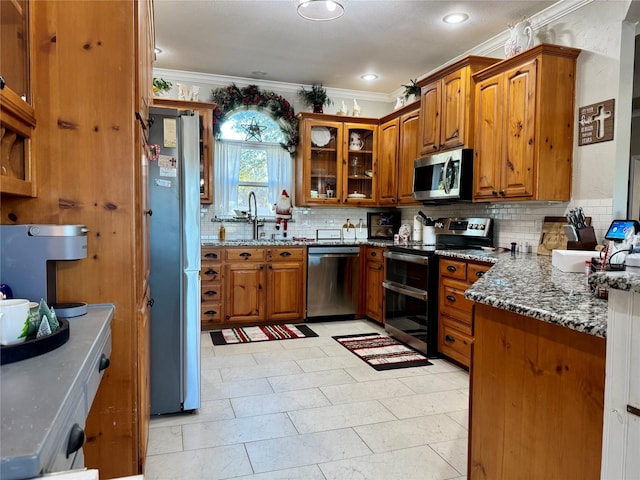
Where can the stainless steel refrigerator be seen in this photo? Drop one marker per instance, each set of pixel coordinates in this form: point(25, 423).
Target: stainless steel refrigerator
point(174, 197)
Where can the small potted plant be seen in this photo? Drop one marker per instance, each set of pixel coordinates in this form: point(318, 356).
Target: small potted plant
point(160, 85)
point(411, 91)
point(316, 97)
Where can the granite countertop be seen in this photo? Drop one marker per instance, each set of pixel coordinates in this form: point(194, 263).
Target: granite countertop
point(295, 243)
point(618, 280)
point(529, 285)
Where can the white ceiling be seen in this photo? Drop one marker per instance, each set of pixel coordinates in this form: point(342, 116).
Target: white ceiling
point(396, 39)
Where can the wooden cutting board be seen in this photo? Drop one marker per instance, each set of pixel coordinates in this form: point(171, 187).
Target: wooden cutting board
point(552, 235)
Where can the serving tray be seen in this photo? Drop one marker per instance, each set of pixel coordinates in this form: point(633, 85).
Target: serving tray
point(35, 346)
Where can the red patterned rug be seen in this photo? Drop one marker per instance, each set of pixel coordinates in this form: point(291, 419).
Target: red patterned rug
point(382, 352)
point(262, 333)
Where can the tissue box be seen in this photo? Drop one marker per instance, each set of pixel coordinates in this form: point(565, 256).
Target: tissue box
point(571, 260)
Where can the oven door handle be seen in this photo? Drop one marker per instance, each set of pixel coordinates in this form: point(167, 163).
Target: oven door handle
point(405, 290)
point(404, 257)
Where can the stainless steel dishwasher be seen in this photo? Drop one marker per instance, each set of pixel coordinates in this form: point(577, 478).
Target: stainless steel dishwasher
point(333, 279)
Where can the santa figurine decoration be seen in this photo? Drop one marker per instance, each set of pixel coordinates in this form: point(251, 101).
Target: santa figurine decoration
point(283, 211)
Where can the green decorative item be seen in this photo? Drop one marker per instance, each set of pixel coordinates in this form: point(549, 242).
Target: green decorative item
point(161, 85)
point(411, 89)
point(228, 99)
point(316, 97)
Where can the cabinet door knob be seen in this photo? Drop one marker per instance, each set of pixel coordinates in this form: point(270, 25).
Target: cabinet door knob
point(76, 439)
point(451, 298)
point(150, 302)
point(210, 255)
point(493, 192)
point(2, 83)
point(104, 363)
point(479, 274)
point(501, 192)
point(449, 338)
point(148, 212)
point(374, 254)
point(451, 268)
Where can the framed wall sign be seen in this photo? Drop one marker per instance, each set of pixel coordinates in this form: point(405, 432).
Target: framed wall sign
point(595, 122)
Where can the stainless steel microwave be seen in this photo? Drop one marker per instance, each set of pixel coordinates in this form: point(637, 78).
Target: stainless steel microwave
point(444, 177)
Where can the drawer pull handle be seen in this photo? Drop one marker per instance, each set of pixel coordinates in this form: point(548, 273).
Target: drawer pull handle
point(449, 338)
point(451, 298)
point(210, 255)
point(374, 254)
point(451, 268)
point(245, 254)
point(210, 312)
point(150, 302)
point(633, 410)
point(148, 212)
point(479, 274)
point(211, 272)
point(210, 292)
point(285, 254)
point(76, 439)
point(104, 363)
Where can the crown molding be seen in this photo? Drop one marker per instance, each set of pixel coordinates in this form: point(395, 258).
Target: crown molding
point(283, 87)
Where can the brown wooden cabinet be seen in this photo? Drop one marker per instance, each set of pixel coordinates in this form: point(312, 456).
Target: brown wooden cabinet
point(211, 292)
point(455, 320)
point(536, 399)
point(331, 169)
point(205, 111)
point(398, 148)
point(373, 278)
point(91, 170)
point(264, 284)
point(447, 107)
point(524, 130)
point(17, 115)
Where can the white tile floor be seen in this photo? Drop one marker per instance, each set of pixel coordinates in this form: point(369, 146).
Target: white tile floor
point(310, 409)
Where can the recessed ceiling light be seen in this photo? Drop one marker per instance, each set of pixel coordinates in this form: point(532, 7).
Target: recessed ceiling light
point(157, 50)
point(320, 10)
point(457, 17)
point(369, 76)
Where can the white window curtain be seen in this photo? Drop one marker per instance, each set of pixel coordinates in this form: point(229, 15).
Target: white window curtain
point(227, 168)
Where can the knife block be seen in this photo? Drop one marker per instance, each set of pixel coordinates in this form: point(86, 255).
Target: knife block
point(587, 240)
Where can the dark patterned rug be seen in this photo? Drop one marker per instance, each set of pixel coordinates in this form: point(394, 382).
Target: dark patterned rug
point(261, 333)
point(382, 352)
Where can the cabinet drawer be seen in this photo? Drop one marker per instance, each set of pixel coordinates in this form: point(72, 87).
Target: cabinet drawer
point(210, 273)
point(455, 344)
point(476, 270)
point(69, 437)
point(285, 254)
point(453, 268)
point(252, 254)
point(375, 255)
point(211, 254)
point(210, 312)
point(452, 301)
point(98, 367)
point(211, 292)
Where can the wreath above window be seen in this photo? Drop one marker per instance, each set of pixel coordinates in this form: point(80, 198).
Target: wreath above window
point(228, 99)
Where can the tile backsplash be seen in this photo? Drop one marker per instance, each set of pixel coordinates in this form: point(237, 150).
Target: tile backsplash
point(514, 222)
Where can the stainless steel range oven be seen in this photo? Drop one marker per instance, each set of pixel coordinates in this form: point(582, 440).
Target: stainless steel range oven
point(411, 283)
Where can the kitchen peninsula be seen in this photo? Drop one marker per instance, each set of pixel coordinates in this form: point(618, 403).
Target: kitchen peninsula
point(538, 373)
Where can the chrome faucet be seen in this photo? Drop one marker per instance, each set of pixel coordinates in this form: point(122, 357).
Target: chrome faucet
point(254, 219)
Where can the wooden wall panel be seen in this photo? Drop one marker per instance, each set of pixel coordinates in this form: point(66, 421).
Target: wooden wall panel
point(84, 96)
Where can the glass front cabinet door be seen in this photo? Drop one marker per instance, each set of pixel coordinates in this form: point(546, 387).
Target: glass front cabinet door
point(17, 116)
point(335, 162)
point(359, 142)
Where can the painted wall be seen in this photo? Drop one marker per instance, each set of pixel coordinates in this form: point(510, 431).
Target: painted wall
point(604, 71)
